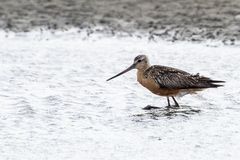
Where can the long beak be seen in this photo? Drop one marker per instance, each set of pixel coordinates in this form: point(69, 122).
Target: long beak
point(126, 70)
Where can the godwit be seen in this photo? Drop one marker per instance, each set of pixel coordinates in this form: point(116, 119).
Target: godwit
point(168, 81)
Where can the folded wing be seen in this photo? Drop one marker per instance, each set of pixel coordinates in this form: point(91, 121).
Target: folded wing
point(172, 78)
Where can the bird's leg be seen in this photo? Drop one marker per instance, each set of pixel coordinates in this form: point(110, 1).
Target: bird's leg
point(176, 103)
point(169, 105)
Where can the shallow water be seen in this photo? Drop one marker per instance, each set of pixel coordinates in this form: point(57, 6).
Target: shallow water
point(56, 104)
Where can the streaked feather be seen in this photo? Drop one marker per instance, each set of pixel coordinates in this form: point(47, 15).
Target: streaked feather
point(172, 78)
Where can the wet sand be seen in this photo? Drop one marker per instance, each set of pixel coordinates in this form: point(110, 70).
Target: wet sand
point(191, 20)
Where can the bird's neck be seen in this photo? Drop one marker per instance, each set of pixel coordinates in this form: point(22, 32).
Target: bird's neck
point(140, 71)
point(143, 67)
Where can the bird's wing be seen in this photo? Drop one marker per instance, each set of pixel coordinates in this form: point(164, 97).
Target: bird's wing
point(172, 78)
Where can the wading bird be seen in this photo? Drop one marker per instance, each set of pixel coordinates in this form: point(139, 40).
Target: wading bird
point(168, 81)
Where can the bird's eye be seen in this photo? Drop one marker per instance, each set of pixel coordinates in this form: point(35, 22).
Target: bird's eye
point(139, 60)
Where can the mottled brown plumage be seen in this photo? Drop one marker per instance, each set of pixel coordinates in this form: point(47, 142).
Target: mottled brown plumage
point(168, 81)
point(172, 78)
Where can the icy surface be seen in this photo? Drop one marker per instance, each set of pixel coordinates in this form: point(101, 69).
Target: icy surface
point(56, 103)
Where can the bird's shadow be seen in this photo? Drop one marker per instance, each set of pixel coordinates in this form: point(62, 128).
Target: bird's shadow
point(155, 112)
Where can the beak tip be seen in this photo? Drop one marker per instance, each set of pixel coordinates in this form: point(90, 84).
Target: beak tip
point(126, 70)
point(108, 79)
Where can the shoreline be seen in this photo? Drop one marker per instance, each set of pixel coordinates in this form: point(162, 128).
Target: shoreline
point(184, 20)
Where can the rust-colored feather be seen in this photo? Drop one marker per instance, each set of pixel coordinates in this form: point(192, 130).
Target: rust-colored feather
point(172, 78)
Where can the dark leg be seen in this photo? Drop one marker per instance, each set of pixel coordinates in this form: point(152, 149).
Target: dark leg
point(177, 105)
point(168, 101)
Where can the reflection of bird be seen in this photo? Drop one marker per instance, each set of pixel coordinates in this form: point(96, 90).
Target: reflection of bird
point(167, 81)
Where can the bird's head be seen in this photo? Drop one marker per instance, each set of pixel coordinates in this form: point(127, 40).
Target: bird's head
point(140, 62)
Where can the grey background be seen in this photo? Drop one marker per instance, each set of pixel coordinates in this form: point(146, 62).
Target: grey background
point(193, 20)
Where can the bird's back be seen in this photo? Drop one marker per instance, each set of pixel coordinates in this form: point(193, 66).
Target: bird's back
point(172, 78)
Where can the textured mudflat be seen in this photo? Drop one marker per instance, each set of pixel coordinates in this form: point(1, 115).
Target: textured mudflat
point(194, 20)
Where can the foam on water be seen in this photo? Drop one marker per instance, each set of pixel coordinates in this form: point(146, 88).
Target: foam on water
point(56, 103)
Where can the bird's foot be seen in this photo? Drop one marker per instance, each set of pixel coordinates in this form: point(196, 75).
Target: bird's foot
point(173, 107)
point(149, 107)
point(176, 106)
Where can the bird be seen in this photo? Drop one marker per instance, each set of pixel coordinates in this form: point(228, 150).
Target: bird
point(168, 81)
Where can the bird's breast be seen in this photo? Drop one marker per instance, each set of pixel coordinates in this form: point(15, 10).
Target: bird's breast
point(149, 83)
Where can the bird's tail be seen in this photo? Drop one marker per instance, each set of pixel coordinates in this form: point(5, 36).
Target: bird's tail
point(209, 83)
point(215, 83)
